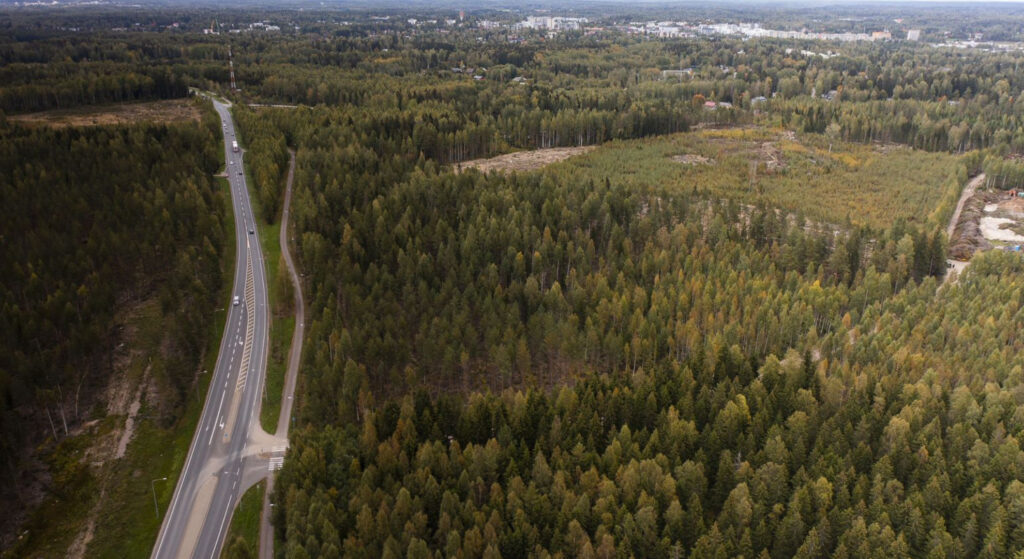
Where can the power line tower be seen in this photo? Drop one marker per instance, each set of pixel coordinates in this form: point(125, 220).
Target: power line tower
point(231, 68)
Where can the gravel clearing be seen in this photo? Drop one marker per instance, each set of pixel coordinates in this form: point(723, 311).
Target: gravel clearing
point(991, 228)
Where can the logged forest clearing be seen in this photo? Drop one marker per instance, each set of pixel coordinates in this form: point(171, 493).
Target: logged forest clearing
point(157, 112)
point(523, 160)
point(835, 182)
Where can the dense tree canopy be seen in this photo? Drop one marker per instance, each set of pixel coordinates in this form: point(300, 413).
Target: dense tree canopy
point(895, 442)
point(674, 364)
point(722, 333)
point(93, 219)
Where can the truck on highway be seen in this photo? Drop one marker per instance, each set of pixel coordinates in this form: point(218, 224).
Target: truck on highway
point(234, 146)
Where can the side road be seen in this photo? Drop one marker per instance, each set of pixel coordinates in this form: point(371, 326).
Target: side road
point(294, 357)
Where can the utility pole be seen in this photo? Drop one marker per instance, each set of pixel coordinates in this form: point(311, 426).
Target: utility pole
point(152, 485)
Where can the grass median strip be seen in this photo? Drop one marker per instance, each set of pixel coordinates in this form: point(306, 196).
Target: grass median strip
point(243, 539)
point(282, 321)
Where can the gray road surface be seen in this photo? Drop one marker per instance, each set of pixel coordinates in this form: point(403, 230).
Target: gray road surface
point(217, 470)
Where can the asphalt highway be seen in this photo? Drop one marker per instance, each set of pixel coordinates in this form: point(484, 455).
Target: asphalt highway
point(221, 463)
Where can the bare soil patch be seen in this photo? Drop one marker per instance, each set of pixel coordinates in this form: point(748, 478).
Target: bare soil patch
point(763, 153)
point(166, 111)
point(129, 423)
point(693, 159)
point(986, 217)
point(967, 237)
point(771, 155)
point(82, 539)
point(523, 160)
point(1013, 205)
point(998, 229)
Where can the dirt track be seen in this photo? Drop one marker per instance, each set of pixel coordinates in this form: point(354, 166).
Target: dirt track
point(956, 267)
point(969, 190)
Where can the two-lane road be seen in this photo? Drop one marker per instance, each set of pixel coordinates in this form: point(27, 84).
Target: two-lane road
point(212, 478)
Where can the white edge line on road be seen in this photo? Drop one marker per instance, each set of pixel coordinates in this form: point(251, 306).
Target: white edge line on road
point(227, 511)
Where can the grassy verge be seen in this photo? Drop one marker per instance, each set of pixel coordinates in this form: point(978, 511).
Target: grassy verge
point(281, 326)
point(243, 539)
point(277, 363)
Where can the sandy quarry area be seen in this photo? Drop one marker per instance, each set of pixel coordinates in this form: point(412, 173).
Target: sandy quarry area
point(993, 229)
point(170, 110)
point(998, 219)
point(965, 227)
point(984, 220)
point(523, 160)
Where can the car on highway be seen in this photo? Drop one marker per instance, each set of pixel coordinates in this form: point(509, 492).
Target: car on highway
point(236, 301)
point(251, 231)
point(239, 171)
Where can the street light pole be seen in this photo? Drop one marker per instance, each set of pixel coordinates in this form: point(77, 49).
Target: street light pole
point(198, 386)
point(152, 485)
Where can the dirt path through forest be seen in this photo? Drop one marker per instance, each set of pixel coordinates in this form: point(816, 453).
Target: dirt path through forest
point(124, 398)
point(969, 191)
point(956, 267)
point(266, 539)
point(295, 352)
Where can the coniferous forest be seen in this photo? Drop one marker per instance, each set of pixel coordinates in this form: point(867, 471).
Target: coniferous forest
point(92, 216)
point(725, 327)
point(96, 220)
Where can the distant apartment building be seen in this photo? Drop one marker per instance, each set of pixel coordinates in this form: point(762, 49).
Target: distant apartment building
point(552, 23)
point(914, 35)
point(684, 73)
point(755, 30)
